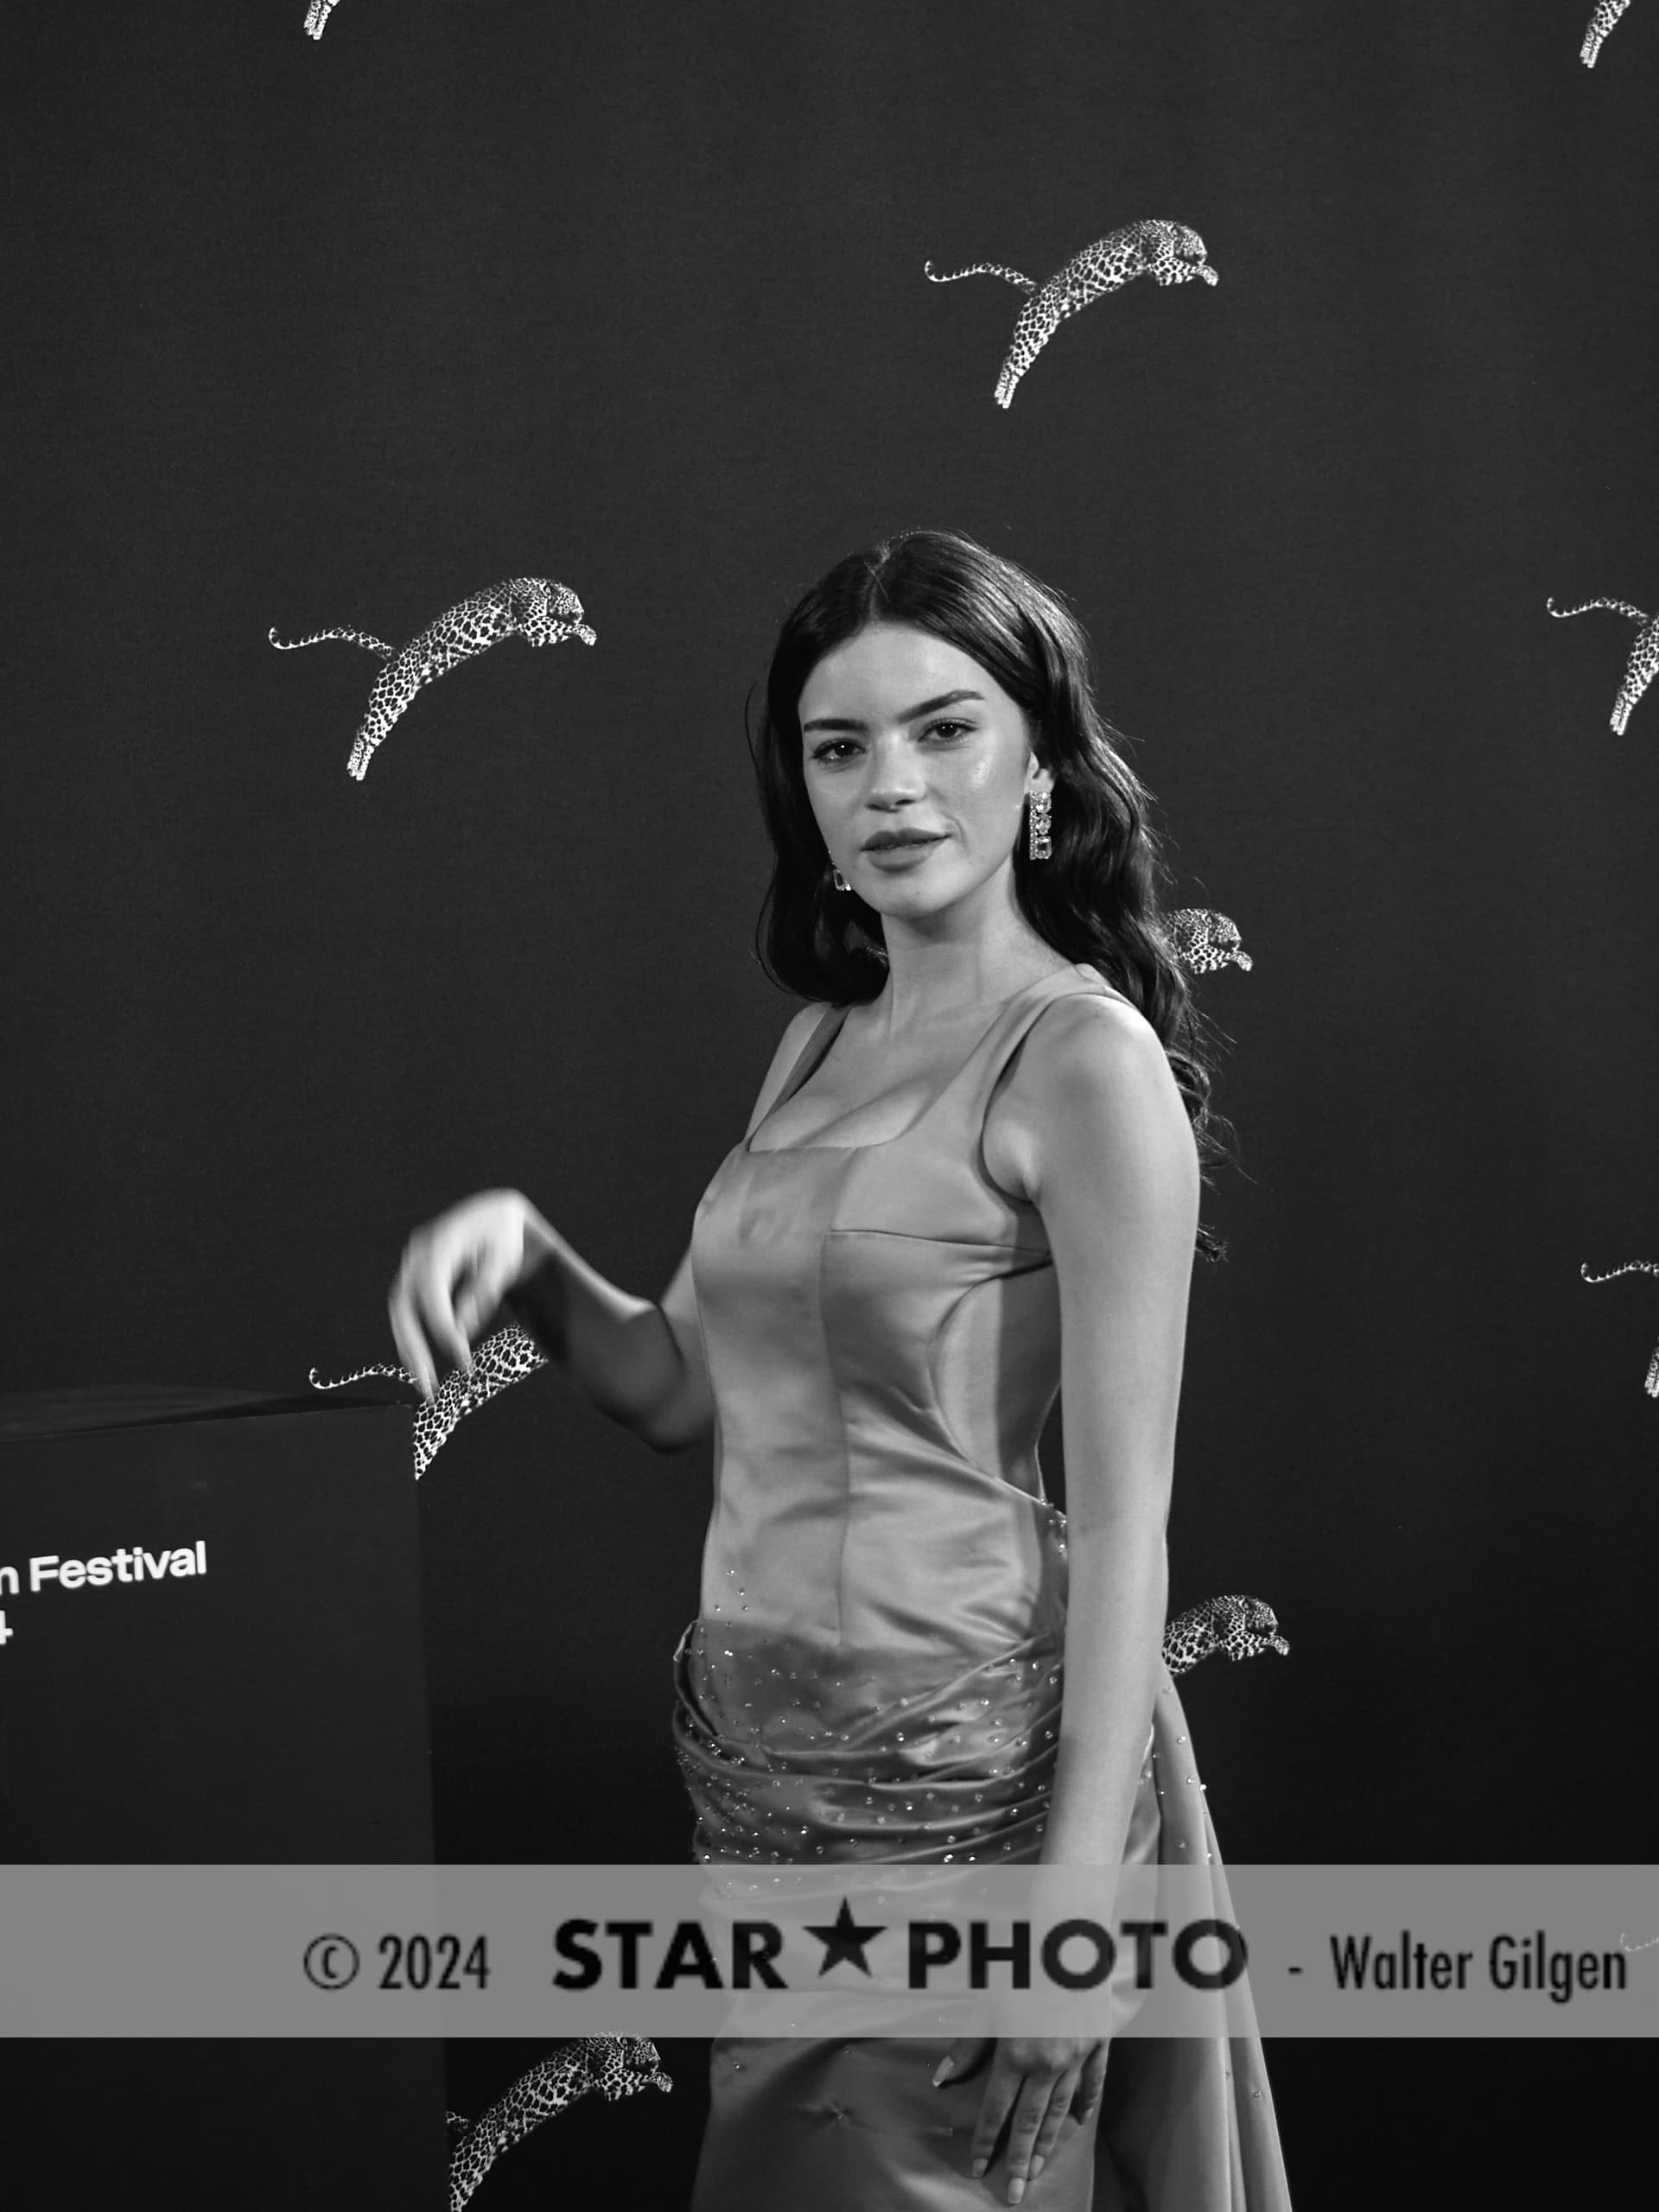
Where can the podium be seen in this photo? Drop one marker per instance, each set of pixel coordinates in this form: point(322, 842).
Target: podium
point(210, 1650)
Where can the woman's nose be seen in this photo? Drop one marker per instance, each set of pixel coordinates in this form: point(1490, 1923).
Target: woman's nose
point(894, 773)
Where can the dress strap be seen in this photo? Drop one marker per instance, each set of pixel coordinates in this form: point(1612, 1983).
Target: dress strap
point(999, 1051)
point(825, 1032)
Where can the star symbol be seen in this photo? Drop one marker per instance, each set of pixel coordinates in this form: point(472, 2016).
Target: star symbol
point(842, 1938)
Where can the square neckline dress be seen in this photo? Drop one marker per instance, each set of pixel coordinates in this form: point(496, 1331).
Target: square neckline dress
point(876, 1667)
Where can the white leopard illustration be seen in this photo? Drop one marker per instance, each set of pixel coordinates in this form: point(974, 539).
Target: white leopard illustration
point(534, 608)
point(1640, 669)
point(1236, 1627)
point(1605, 14)
point(1633, 1267)
point(1169, 253)
point(1644, 656)
point(1203, 941)
point(612, 2066)
point(498, 1361)
point(316, 17)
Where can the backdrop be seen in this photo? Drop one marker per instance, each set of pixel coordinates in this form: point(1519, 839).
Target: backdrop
point(308, 333)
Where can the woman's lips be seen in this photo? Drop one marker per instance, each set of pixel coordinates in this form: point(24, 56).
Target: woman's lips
point(911, 848)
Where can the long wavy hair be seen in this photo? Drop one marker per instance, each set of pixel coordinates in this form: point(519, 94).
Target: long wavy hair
point(1095, 900)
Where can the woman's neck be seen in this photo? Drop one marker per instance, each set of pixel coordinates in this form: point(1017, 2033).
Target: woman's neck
point(934, 982)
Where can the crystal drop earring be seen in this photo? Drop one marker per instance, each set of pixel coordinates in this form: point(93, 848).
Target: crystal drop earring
point(1040, 815)
point(839, 879)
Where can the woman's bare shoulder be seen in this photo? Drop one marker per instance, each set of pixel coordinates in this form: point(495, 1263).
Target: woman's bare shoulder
point(1088, 1059)
point(1087, 1037)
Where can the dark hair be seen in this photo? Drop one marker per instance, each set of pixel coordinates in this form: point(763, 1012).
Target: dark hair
point(1095, 900)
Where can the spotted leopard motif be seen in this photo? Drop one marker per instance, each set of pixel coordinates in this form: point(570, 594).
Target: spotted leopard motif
point(1633, 1267)
point(1236, 1627)
point(316, 17)
point(1644, 663)
point(1203, 941)
point(498, 1361)
point(540, 611)
point(1605, 14)
point(1169, 253)
point(611, 2066)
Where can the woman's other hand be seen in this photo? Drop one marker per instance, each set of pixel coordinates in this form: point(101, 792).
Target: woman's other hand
point(1035, 2083)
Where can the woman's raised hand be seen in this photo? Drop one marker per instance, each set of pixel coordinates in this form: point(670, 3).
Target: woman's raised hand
point(455, 1272)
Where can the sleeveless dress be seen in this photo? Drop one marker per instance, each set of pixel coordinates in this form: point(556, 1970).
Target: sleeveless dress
point(876, 1672)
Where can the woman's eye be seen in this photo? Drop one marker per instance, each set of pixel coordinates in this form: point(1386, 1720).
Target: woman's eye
point(834, 750)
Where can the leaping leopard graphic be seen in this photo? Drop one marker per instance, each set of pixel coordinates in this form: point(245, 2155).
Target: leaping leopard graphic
point(499, 1362)
point(316, 17)
point(1605, 14)
point(534, 608)
point(1203, 941)
point(1633, 1267)
point(1644, 653)
point(1238, 1627)
point(1169, 253)
point(614, 2066)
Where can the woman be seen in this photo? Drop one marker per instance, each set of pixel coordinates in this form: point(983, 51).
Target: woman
point(971, 1175)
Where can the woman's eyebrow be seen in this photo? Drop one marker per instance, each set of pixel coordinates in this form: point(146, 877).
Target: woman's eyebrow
point(927, 706)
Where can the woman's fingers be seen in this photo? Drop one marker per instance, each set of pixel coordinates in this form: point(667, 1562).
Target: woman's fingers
point(1034, 2084)
point(1019, 2096)
point(469, 1306)
point(438, 1282)
point(1030, 2113)
point(1048, 2134)
point(493, 1271)
point(406, 1332)
point(423, 1319)
point(965, 2056)
point(994, 2109)
point(1091, 2083)
point(453, 1275)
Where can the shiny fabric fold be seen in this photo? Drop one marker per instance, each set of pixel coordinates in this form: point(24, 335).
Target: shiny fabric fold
point(792, 1750)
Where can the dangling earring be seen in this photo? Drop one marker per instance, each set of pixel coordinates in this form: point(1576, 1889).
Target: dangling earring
point(839, 879)
point(1040, 816)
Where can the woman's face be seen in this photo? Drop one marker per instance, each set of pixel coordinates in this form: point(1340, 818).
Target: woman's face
point(916, 763)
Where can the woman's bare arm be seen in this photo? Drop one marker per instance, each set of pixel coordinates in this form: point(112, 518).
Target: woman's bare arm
point(640, 1360)
point(1093, 1118)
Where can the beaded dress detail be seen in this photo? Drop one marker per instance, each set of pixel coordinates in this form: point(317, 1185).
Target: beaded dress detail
point(876, 1672)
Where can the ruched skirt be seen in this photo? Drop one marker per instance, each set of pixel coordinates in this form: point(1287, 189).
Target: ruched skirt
point(793, 1754)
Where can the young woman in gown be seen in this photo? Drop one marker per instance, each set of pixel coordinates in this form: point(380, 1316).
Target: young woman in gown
point(972, 1178)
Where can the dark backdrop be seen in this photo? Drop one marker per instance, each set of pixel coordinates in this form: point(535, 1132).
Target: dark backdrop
point(311, 334)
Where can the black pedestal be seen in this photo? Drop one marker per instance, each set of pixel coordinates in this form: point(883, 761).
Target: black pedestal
point(212, 1651)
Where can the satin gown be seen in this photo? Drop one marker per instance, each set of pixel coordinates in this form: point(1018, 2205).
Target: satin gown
point(876, 1672)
